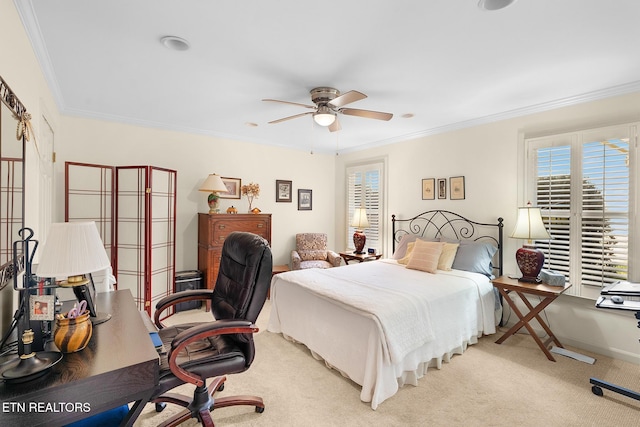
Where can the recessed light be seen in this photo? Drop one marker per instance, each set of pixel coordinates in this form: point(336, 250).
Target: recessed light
point(251, 124)
point(174, 43)
point(407, 116)
point(490, 5)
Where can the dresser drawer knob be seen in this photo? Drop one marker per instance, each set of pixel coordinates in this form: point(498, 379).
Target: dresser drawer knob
point(260, 225)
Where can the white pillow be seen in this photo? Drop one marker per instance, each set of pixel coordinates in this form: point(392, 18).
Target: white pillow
point(425, 256)
point(447, 256)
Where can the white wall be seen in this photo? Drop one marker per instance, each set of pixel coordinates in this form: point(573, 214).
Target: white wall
point(196, 156)
point(489, 158)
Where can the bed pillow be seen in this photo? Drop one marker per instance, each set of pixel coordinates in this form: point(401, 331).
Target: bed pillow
point(409, 250)
point(447, 256)
point(425, 256)
point(401, 249)
point(474, 257)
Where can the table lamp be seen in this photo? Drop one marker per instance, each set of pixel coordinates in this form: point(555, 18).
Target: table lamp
point(213, 185)
point(74, 250)
point(360, 222)
point(530, 226)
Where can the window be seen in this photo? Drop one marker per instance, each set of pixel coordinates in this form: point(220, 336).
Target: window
point(582, 182)
point(364, 189)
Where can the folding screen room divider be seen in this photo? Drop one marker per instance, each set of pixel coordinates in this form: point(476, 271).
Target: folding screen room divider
point(134, 208)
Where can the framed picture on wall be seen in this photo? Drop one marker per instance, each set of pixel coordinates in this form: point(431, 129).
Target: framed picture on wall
point(233, 188)
point(283, 190)
point(429, 189)
point(304, 200)
point(442, 188)
point(456, 187)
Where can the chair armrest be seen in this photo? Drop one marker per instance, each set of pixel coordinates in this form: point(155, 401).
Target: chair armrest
point(334, 259)
point(178, 297)
point(296, 259)
point(198, 333)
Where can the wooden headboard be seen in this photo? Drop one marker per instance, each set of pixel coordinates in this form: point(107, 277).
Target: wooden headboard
point(449, 225)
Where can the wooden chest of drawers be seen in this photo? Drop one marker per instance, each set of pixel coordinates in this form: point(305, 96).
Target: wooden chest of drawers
point(213, 230)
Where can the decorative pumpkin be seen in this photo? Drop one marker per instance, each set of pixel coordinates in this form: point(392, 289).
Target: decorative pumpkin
point(255, 211)
point(232, 210)
point(73, 334)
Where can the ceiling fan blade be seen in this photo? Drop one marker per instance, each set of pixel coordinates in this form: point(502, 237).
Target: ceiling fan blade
point(292, 103)
point(290, 117)
point(335, 126)
point(347, 98)
point(366, 113)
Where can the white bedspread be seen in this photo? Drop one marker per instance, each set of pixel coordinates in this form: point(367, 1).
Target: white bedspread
point(373, 290)
point(379, 323)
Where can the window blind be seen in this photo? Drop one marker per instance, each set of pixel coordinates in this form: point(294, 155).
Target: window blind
point(582, 184)
point(364, 189)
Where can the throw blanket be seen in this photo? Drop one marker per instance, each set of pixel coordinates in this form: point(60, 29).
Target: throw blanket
point(372, 289)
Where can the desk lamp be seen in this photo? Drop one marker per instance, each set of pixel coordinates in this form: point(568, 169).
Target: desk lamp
point(360, 222)
point(530, 226)
point(75, 250)
point(214, 185)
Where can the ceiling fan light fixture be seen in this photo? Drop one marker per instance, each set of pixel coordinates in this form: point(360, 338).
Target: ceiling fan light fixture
point(490, 5)
point(324, 117)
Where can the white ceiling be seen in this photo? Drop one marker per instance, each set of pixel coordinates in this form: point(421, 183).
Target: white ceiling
point(447, 62)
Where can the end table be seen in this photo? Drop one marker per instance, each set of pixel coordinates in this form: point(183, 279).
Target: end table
point(506, 285)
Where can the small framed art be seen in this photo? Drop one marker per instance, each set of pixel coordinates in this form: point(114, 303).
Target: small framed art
point(41, 307)
point(442, 188)
point(283, 190)
point(233, 188)
point(456, 187)
point(429, 189)
point(304, 200)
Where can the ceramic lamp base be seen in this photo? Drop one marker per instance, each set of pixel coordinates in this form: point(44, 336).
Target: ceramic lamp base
point(359, 239)
point(530, 262)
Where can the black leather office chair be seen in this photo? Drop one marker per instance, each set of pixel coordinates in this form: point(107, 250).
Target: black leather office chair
point(198, 351)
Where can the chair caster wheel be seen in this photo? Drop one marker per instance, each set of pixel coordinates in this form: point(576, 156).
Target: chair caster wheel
point(160, 406)
point(259, 409)
point(597, 390)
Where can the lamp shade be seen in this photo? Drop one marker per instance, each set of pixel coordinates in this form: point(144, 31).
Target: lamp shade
point(360, 220)
point(529, 224)
point(213, 183)
point(72, 249)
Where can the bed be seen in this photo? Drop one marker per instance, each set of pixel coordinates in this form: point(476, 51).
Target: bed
point(383, 323)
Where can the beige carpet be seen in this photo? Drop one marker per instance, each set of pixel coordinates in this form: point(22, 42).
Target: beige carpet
point(512, 384)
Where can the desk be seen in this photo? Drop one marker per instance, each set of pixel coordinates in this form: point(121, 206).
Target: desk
point(506, 285)
point(120, 365)
point(352, 256)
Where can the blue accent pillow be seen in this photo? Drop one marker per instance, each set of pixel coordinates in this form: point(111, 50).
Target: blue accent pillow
point(474, 257)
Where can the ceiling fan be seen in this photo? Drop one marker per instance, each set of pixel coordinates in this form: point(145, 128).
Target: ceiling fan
point(328, 104)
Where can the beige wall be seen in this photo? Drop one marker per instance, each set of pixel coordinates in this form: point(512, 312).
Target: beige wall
point(194, 157)
point(488, 157)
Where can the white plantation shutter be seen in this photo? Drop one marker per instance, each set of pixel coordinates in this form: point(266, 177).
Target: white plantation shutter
point(582, 184)
point(364, 188)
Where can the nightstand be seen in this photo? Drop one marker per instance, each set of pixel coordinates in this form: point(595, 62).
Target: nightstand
point(277, 269)
point(548, 294)
point(352, 256)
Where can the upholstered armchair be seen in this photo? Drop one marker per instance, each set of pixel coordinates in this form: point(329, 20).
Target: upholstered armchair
point(311, 252)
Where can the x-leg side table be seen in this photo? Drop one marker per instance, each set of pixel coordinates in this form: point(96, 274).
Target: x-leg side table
point(506, 285)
